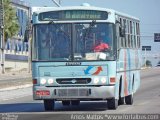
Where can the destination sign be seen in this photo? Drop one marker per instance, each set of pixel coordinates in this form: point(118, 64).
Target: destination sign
point(73, 15)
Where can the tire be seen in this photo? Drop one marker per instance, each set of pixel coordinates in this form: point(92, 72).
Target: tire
point(121, 101)
point(75, 102)
point(112, 103)
point(49, 105)
point(129, 99)
point(66, 103)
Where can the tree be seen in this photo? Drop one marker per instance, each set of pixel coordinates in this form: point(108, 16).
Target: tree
point(11, 26)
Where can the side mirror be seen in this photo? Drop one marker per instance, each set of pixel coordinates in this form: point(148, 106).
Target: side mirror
point(122, 31)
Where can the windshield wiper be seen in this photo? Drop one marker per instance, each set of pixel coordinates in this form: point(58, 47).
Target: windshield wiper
point(51, 22)
point(92, 24)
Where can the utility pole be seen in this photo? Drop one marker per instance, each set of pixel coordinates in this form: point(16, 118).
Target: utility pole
point(2, 36)
point(145, 60)
point(57, 3)
point(29, 29)
point(60, 2)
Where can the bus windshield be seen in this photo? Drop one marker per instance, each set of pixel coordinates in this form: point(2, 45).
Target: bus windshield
point(73, 42)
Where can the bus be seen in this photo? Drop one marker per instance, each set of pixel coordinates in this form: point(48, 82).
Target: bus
point(84, 53)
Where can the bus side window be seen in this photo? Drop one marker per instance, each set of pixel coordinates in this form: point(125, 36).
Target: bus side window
point(121, 39)
point(135, 30)
point(128, 34)
point(124, 33)
point(137, 35)
point(122, 30)
point(117, 35)
point(134, 38)
point(131, 36)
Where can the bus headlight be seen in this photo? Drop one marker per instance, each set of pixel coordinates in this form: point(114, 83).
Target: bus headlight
point(50, 81)
point(96, 80)
point(103, 80)
point(43, 81)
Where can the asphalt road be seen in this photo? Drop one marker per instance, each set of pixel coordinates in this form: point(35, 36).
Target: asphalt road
point(146, 101)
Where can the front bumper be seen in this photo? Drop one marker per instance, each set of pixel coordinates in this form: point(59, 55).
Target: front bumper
point(78, 93)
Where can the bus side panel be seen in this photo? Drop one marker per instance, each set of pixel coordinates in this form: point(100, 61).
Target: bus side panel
point(136, 77)
point(117, 85)
point(136, 84)
point(128, 67)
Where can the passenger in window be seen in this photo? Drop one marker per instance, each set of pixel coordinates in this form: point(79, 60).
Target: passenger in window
point(45, 43)
point(100, 46)
point(62, 46)
point(45, 37)
point(65, 40)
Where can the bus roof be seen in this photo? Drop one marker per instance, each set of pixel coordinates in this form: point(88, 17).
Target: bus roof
point(126, 15)
point(45, 9)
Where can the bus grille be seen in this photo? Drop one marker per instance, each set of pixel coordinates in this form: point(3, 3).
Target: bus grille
point(73, 81)
point(73, 92)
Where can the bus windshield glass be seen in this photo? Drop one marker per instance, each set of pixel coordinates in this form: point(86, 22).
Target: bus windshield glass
point(73, 42)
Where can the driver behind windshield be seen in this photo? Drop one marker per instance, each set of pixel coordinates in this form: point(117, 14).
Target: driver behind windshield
point(100, 46)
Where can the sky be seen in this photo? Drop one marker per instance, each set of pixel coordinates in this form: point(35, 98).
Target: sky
point(148, 11)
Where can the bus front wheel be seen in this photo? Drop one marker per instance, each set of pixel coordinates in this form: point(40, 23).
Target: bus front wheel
point(49, 105)
point(112, 103)
point(121, 101)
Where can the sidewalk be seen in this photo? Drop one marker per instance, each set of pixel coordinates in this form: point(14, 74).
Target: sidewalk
point(15, 80)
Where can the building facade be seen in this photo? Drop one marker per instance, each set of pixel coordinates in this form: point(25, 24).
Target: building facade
point(15, 55)
point(17, 43)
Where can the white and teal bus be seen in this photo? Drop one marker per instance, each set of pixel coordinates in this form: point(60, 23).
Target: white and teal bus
point(84, 53)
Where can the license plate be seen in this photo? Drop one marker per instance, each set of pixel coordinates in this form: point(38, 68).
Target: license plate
point(73, 92)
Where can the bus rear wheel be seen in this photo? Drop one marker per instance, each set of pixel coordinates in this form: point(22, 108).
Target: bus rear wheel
point(129, 99)
point(49, 105)
point(112, 103)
